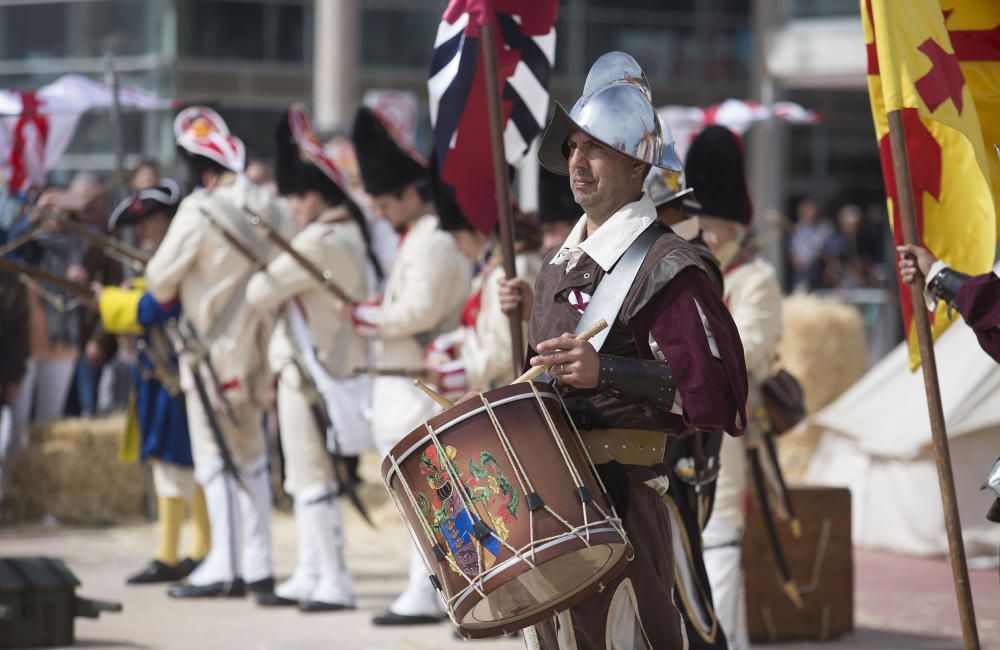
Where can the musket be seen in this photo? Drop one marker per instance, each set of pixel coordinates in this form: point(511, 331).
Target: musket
point(163, 367)
point(786, 497)
point(323, 421)
point(324, 277)
point(39, 275)
point(409, 373)
point(760, 488)
point(233, 241)
point(200, 352)
point(111, 246)
point(22, 239)
point(228, 464)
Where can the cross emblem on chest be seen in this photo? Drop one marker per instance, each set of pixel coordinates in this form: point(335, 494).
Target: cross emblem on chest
point(579, 299)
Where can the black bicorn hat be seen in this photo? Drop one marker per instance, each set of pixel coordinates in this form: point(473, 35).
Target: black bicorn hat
point(716, 169)
point(303, 163)
point(386, 160)
point(161, 198)
point(555, 199)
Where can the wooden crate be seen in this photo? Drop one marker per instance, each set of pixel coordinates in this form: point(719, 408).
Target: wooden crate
point(820, 563)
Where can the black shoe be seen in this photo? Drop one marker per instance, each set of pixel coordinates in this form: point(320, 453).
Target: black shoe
point(390, 618)
point(235, 589)
point(154, 572)
point(320, 606)
point(263, 590)
point(271, 599)
point(187, 566)
point(262, 586)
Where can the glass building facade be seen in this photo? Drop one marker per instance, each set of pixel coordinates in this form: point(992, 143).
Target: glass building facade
point(252, 58)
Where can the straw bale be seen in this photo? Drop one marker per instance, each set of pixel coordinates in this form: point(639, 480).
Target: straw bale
point(70, 470)
point(823, 345)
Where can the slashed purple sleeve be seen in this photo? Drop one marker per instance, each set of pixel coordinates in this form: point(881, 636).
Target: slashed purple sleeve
point(979, 303)
point(713, 390)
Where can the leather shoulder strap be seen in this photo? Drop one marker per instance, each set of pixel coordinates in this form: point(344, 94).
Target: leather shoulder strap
point(610, 293)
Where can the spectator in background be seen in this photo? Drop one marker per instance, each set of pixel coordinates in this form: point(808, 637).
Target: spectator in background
point(53, 333)
point(875, 245)
point(842, 265)
point(87, 202)
point(806, 245)
point(146, 175)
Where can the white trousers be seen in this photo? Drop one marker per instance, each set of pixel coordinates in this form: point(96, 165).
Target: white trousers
point(307, 461)
point(724, 565)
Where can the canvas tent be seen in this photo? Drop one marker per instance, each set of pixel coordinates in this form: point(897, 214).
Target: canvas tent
point(876, 440)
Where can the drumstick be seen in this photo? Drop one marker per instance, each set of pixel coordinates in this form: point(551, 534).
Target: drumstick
point(585, 335)
point(442, 401)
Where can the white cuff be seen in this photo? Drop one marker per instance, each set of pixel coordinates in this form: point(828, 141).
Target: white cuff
point(929, 299)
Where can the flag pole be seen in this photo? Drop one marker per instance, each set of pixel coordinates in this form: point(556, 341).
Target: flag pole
point(928, 364)
point(505, 217)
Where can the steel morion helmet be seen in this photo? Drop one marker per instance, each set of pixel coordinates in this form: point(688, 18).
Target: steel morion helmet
point(665, 185)
point(616, 108)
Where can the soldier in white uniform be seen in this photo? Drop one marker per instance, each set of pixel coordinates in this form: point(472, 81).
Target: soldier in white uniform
point(715, 168)
point(477, 355)
point(196, 265)
point(424, 293)
point(313, 325)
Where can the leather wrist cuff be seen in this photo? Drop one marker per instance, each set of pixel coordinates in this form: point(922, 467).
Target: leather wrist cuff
point(946, 284)
point(642, 381)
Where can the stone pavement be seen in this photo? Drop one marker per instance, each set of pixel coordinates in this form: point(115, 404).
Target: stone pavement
point(900, 602)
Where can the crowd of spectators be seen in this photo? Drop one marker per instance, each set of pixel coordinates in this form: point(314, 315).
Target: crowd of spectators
point(55, 358)
point(849, 252)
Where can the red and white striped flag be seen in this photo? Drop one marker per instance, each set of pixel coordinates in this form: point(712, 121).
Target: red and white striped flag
point(457, 93)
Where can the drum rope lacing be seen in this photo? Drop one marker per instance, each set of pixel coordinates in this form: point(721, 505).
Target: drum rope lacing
point(426, 527)
point(518, 467)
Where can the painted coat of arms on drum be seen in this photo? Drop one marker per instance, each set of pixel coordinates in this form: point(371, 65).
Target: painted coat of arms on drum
point(484, 490)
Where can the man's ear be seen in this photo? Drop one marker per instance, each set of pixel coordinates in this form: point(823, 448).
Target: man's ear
point(640, 169)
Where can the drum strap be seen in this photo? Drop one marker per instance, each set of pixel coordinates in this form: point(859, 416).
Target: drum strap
point(610, 293)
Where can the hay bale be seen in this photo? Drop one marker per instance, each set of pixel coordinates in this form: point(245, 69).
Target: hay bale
point(70, 470)
point(823, 345)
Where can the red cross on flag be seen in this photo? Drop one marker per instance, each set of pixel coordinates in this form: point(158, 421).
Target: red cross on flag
point(938, 63)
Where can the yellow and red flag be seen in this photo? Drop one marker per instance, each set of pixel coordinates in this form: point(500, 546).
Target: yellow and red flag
point(938, 63)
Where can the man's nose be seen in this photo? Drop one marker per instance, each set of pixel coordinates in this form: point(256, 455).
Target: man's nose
point(577, 160)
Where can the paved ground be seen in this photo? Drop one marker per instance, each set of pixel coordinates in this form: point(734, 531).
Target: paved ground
point(901, 602)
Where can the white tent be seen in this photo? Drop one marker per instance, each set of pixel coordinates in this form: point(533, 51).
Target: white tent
point(876, 440)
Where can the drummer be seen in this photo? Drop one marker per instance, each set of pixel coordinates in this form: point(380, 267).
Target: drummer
point(672, 360)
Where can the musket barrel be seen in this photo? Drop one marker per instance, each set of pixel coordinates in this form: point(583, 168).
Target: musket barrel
point(323, 277)
point(77, 289)
point(232, 240)
point(115, 246)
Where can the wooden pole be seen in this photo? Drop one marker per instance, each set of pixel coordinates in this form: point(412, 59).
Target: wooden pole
point(505, 217)
point(946, 480)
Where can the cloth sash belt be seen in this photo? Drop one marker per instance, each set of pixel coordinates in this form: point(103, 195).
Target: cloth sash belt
point(627, 446)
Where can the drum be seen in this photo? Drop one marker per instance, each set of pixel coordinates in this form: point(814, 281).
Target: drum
point(503, 501)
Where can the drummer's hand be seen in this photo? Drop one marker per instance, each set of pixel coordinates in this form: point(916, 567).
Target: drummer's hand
point(573, 362)
point(910, 259)
point(515, 292)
